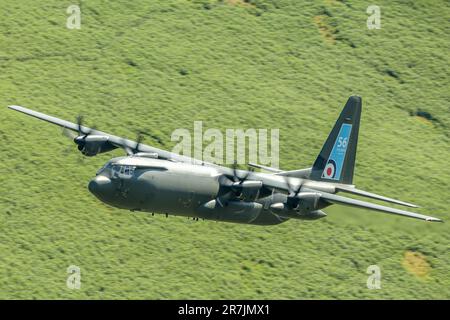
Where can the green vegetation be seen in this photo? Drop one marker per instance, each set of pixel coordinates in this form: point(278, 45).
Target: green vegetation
point(160, 65)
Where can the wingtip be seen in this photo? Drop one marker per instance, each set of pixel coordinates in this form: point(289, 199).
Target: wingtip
point(406, 204)
point(431, 219)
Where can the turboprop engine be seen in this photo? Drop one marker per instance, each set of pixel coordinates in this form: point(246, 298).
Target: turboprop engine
point(304, 205)
point(91, 145)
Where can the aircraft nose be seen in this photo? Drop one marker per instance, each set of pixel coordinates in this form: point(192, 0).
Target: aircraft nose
point(99, 186)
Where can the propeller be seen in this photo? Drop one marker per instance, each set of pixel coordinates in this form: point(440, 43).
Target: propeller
point(292, 199)
point(80, 138)
point(69, 134)
point(131, 151)
point(232, 186)
point(79, 123)
point(139, 139)
point(68, 150)
point(236, 178)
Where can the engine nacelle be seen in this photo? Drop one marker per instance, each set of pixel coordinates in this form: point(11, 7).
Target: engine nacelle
point(230, 211)
point(307, 207)
point(309, 201)
point(92, 145)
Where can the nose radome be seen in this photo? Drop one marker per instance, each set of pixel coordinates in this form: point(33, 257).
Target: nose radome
point(99, 185)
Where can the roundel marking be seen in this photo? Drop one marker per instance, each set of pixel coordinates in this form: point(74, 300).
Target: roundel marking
point(330, 170)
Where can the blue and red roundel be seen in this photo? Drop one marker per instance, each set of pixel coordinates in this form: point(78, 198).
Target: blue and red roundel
point(330, 169)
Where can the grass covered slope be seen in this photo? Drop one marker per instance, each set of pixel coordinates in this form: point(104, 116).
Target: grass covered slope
point(156, 67)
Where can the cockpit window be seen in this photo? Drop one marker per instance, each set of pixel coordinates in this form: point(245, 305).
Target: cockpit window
point(106, 166)
point(123, 170)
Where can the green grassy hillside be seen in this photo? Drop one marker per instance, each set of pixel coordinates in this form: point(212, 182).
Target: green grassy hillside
point(160, 65)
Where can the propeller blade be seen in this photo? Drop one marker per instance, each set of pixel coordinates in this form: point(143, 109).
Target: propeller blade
point(298, 189)
point(80, 123)
point(94, 128)
point(225, 181)
point(288, 184)
point(67, 150)
point(292, 199)
point(235, 177)
point(69, 134)
point(129, 149)
point(292, 191)
point(244, 178)
point(139, 139)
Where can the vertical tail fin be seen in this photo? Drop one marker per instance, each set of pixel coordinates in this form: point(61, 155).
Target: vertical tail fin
point(336, 160)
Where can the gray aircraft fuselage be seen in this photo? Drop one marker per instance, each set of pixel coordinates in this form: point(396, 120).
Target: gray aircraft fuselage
point(161, 186)
point(154, 180)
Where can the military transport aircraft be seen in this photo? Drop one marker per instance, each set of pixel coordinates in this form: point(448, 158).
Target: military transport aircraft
point(153, 180)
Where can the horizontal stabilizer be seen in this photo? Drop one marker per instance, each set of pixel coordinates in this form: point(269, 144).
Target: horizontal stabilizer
point(363, 193)
point(332, 198)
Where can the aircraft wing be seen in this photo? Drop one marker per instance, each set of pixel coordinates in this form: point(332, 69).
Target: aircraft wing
point(114, 140)
point(353, 190)
point(332, 198)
